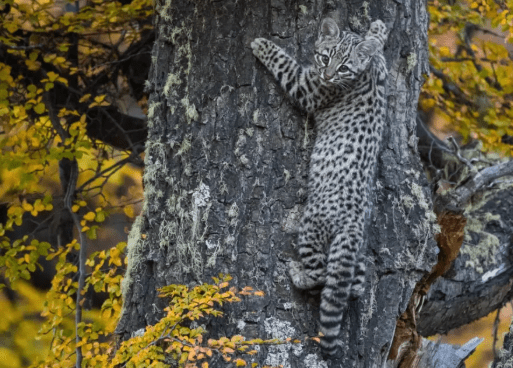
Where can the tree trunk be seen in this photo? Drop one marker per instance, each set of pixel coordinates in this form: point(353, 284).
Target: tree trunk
point(226, 170)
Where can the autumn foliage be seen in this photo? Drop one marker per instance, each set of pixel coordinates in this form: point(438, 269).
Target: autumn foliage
point(471, 83)
point(61, 71)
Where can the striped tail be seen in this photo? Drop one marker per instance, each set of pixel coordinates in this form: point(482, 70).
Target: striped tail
point(340, 279)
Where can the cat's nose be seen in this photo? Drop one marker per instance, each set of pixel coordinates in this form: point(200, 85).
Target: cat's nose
point(328, 76)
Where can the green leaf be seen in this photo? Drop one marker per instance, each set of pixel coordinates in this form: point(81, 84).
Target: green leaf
point(39, 108)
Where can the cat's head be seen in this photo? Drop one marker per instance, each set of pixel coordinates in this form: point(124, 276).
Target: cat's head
point(340, 57)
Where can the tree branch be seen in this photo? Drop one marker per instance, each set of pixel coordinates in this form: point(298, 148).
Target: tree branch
point(474, 299)
point(455, 200)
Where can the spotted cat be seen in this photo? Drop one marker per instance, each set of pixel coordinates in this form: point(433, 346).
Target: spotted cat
point(345, 92)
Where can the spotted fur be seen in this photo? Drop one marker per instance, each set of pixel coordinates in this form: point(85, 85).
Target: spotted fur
point(345, 92)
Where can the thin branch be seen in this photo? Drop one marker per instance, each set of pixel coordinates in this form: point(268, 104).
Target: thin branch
point(100, 174)
point(457, 152)
point(457, 199)
point(495, 332)
point(461, 59)
point(469, 28)
point(68, 203)
point(107, 63)
point(29, 47)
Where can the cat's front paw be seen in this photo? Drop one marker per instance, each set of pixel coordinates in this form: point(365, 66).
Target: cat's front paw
point(378, 30)
point(261, 47)
point(301, 279)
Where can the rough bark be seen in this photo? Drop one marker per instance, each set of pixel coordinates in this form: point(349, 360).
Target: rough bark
point(226, 169)
point(481, 278)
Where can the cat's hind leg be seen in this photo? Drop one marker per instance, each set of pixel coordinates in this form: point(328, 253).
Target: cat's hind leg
point(311, 271)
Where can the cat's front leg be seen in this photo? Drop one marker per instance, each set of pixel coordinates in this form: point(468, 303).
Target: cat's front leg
point(283, 67)
point(302, 84)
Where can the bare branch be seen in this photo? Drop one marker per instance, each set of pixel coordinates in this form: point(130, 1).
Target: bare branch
point(28, 47)
point(458, 198)
point(457, 152)
point(436, 354)
point(495, 332)
point(478, 298)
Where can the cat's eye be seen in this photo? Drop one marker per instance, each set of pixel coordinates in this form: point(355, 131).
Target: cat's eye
point(343, 69)
point(322, 59)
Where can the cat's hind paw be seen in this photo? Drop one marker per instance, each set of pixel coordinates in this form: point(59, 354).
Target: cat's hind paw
point(357, 290)
point(301, 279)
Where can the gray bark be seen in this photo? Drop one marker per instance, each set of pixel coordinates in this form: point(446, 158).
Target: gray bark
point(446, 356)
point(226, 168)
point(480, 279)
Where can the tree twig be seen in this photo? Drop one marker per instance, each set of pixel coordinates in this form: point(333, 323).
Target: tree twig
point(495, 332)
point(457, 152)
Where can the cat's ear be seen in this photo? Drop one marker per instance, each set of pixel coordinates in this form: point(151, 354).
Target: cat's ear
point(366, 49)
point(329, 28)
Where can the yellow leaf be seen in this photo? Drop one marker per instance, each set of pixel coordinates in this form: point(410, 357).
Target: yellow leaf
point(129, 211)
point(39, 206)
point(240, 362)
point(62, 80)
point(32, 65)
point(52, 76)
point(11, 26)
point(445, 51)
point(84, 98)
point(100, 217)
point(89, 216)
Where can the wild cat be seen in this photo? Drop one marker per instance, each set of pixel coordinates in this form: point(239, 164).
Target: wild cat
point(345, 92)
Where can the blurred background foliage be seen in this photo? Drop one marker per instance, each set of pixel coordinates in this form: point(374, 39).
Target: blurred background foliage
point(470, 88)
point(60, 61)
